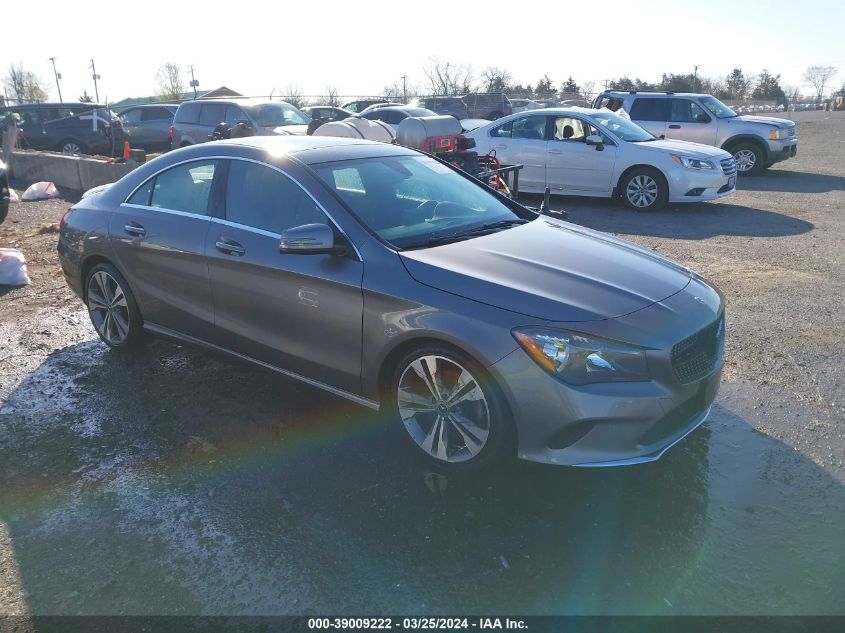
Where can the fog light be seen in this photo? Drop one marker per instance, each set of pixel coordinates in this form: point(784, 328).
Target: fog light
point(695, 192)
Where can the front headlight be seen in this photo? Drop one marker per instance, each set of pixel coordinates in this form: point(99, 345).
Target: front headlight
point(780, 134)
point(580, 359)
point(692, 163)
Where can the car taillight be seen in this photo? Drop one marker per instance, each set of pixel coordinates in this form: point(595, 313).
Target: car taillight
point(65, 218)
point(172, 132)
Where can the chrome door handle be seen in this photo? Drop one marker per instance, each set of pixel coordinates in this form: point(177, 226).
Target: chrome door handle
point(230, 248)
point(554, 151)
point(674, 127)
point(133, 228)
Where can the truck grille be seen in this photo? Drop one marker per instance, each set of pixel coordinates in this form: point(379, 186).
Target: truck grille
point(729, 166)
point(696, 356)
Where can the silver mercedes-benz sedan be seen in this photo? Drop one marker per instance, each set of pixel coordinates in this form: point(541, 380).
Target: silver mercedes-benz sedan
point(385, 276)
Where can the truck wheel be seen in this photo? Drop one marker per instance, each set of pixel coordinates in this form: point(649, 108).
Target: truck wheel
point(749, 158)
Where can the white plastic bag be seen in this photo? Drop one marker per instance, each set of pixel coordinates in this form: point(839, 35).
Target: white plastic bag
point(12, 268)
point(40, 191)
point(13, 197)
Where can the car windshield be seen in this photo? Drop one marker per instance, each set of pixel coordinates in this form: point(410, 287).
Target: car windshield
point(277, 114)
point(622, 127)
point(416, 201)
point(717, 108)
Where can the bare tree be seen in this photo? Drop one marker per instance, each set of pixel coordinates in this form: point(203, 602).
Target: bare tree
point(169, 83)
point(293, 95)
point(25, 85)
point(817, 77)
point(496, 79)
point(447, 78)
point(587, 89)
point(330, 96)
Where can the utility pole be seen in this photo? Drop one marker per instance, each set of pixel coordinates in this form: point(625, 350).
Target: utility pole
point(606, 82)
point(405, 88)
point(58, 76)
point(695, 79)
point(195, 83)
point(96, 77)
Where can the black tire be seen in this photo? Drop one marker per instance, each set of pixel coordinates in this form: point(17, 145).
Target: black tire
point(644, 189)
point(749, 157)
point(72, 146)
point(467, 408)
point(124, 316)
point(767, 165)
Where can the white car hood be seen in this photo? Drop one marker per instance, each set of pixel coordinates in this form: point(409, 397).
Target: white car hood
point(296, 130)
point(770, 120)
point(696, 150)
point(469, 125)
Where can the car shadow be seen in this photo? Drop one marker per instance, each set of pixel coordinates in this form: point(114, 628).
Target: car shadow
point(169, 482)
point(690, 221)
point(788, 181)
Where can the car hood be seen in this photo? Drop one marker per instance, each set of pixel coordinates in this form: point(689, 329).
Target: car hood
point(550, 270)
point(283, 130)
point(696, 150)
point(470, 125)
point(768, 120)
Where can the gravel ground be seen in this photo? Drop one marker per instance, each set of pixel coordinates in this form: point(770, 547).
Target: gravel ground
point(173, 482)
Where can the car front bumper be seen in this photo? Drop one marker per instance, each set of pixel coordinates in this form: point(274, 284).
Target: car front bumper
point(694, 185)
point(615, 424)
point(782, 150)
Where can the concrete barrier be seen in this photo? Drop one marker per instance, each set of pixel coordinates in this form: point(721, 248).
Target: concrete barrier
point(73, 172)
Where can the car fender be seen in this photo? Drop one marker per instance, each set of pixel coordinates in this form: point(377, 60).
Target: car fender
point(736, 138)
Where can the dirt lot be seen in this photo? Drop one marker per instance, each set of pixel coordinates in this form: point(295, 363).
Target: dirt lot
point(173, 482)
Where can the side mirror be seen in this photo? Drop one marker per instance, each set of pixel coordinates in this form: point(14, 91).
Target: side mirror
point(309, 239)
point(702, 118)
point(595, 139)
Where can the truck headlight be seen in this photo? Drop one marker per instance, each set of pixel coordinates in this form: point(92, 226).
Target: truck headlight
point(780, 134)
point(579, 359)
point(692, 163)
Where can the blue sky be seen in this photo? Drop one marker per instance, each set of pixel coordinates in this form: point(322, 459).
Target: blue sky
point(360, 48)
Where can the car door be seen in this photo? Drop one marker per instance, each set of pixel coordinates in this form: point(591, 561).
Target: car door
point(689, 122)
point(158, 236)
point(301, 313)
point(522, 141)
point(154, 131)
point(571, 164)
point(31, 129)
point(131, 121)
point(651, 113)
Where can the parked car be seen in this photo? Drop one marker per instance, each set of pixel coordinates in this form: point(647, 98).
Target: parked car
point(394, 115)
point(579, 151)
point(377, 106)
point(5, 192)
point(447, 106)
point(521, 105)
point(487, 105)
point(147, 127)
point(756, 142)
point(70, 128)
point(384, 276)
point(326, 113)
point(358, 105)
point(195, 120)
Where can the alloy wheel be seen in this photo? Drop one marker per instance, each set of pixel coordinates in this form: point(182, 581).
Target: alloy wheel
point(71, 148)
point(642, 191)
point(745, 160)
point(108, 307)
point(443, 409)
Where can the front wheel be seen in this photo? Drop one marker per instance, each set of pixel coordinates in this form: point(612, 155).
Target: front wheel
point(644, 189)
point(71, 146)
point(112, 308)
point(749, 159)
point(449, 408)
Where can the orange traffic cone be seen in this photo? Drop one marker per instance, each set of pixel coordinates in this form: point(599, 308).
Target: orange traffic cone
point(125, 150)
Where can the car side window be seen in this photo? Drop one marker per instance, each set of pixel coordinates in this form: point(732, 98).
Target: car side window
point(570, 129)
point(212, 114)
point(184, 187)
point(235, 115)
point(503, 131)
point(685, 111)
point(530, 128)
point(155, 114)
point(650, 109)
point(142, 196)
point(263, 198)
point(131, 116)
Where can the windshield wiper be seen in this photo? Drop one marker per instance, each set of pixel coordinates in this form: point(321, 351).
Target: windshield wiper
point(484, 229)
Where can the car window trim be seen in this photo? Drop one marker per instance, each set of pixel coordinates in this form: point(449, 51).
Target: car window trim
point(207, 214)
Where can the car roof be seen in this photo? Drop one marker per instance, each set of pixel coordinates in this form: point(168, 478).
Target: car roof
point(316, 149)
point(236, 101)
point(653, 93)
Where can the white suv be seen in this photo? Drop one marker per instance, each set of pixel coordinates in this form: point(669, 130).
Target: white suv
point(585, 152)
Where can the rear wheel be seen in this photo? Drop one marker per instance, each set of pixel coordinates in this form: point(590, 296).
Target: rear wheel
point(644, 189)
point(112, 308)
point(449, 407)
point(72, 146)
point(749, 158)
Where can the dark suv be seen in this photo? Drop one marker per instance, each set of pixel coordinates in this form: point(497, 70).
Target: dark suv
point(488, 105)
point(70, 128)
point(442, 105)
